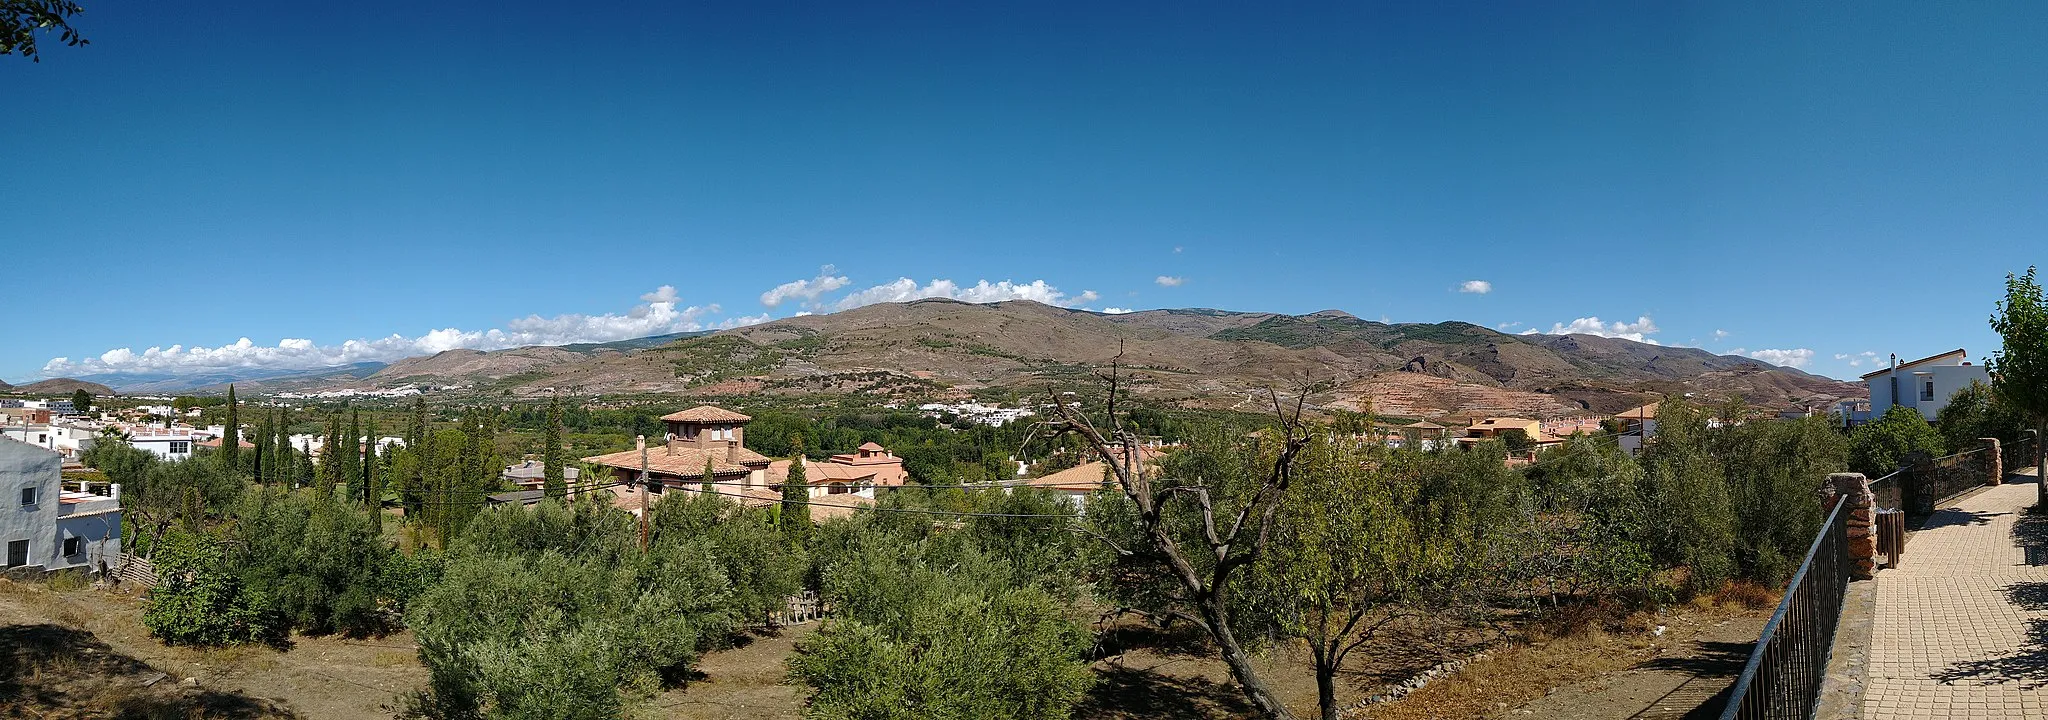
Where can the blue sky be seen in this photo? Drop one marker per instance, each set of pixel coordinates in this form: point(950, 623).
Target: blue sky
point(1812, 179)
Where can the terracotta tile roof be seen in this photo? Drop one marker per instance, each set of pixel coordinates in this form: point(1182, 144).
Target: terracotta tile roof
point(706, 414)
point(1646, 412)
point(816, 473)
point(1085, 477)
point(827, 507)
point(871, 447)
point(1423, 425)
point(215, 443)
point(854, 459)
point(684, 462)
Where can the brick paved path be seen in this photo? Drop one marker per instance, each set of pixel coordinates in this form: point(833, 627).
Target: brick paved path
point(1961, 629)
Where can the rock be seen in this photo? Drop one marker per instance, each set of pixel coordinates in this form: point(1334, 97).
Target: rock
point(189, 682)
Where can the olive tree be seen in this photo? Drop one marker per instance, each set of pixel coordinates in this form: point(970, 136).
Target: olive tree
point(2019, 370)
point(1233, 515)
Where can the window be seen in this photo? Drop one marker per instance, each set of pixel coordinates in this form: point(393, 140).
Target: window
point(181, 447)
point(28, 496)
point(1927, 389)
point(17, 553)
point(73, 546)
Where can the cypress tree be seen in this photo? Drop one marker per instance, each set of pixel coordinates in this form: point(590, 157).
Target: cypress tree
point(369, 462)
point(483, 447)
point(262, 464)
point(286, 470)
point(231, 438)
point(553, 475)
point(330, 451)
point(710, 479)
point(412, 494)
point(352, 461)
point(796, 512)
point(373, 490)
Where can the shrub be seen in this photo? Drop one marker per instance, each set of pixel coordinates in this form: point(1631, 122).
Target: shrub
point(929, 627)
point(1879, 447)
point(555, 612)
point(199, 601)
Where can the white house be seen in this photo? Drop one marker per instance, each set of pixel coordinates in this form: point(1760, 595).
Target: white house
point(172, 443)
point(43, 524)
point(68, 439)
point(1924, 384)
point(1638, 426)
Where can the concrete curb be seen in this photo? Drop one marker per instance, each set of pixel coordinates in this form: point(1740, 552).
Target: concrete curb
point(1841, 690)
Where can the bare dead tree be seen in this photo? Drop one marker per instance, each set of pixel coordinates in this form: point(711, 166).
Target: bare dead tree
point(1233, 544)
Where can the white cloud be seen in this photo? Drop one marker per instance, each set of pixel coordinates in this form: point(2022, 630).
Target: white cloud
point(659, 313)
point(1507, 326)
point(1116, 311)
point(1169, 281)
point(1795, 357)
point(1719, 334)
point(1476, 287)
point(1639, 331)
point(1858, 359)
point(906, 290)
point(807, 290)
point(1176, 249)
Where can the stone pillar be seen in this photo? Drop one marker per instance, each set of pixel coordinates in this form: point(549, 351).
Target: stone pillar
point(1995, 464)
point(1861, 508)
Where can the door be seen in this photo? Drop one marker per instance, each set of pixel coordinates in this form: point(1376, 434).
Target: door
point(17, 552)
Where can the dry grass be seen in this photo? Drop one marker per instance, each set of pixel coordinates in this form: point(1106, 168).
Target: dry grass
point(1565, 648)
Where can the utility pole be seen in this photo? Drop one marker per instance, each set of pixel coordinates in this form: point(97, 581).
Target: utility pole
point(641, 442)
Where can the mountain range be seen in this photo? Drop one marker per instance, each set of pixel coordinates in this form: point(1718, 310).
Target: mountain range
point(57, 386)
point(944, 349)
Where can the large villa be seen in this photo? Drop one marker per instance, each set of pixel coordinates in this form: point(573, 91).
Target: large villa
point(712, 437)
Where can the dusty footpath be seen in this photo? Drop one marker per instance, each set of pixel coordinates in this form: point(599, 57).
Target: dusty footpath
point(1688, 679)
point(84, 654)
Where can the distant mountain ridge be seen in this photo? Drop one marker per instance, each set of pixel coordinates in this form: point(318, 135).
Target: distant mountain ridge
point(1194, 357)
point(59, 386)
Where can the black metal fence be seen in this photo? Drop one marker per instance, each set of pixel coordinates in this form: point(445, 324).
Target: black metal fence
point(2018, 453)
point(1890, 491)
point(1931, 482)
point(1783, 676)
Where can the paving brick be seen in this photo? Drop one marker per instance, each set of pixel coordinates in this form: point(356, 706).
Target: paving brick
point(1961, 624)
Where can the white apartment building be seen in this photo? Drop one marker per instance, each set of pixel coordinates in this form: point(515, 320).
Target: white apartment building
point(1924, 384)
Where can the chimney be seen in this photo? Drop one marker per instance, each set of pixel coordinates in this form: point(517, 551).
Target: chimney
point(732, 451)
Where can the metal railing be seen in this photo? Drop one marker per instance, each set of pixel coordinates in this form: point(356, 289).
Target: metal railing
point(1936, 481)
point(1782, 679)
point(2018, 453)
point(1889, 490)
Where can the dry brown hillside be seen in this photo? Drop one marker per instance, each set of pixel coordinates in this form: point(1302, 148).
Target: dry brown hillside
point(1192, 357)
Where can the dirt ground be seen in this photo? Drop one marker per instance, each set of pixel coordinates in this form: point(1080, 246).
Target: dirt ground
point(1143, 674)
point(84, 653)
point(1601, 673)
point(743, 682)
